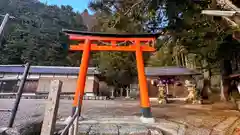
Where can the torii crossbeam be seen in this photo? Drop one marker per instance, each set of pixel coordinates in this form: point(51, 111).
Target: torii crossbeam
point(138, 43)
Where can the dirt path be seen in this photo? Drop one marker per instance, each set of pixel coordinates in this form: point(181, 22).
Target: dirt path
point(199, 119)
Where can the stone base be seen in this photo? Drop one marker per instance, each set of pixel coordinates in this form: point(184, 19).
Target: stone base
point(162, 101)
point(89, 94)
point(198, 102)
point(147, 120)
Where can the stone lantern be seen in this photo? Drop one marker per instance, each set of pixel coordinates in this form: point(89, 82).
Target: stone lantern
point(192, 92)
point(162, 95)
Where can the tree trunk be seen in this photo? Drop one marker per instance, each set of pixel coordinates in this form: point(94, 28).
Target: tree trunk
point(226, 70)
point(183, 60)
point(194, 65)
point(207, 80)
point(204, 92)
point(235, 61)
point(187, 64)
point(177, 60)
point(225, 89)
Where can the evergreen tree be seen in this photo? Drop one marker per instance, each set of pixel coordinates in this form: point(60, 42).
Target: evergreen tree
point(34, 35)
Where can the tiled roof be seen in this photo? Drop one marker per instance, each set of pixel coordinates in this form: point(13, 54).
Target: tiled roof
point(45, 69)
point(150, 71)
point(169, 71)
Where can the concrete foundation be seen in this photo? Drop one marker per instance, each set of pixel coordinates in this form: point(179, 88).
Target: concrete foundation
point(147, 120)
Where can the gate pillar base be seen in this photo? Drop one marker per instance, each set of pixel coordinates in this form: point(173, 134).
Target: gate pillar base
point(147, 120)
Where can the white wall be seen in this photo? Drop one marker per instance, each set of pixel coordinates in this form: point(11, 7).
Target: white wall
point(69, 81)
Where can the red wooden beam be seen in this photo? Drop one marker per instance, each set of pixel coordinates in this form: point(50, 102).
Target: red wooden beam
point(95, 47)
point(145, 46)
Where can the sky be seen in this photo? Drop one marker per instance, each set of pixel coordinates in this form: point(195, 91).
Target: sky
point(78, 5)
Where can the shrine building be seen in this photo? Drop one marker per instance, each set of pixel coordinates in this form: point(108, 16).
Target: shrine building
point(39, 78)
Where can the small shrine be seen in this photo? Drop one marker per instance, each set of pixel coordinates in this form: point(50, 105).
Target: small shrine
point(168, 81)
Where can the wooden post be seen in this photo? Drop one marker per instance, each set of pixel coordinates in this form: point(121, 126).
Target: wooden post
point(19, 95)
point(4, 22)
point(51, 109)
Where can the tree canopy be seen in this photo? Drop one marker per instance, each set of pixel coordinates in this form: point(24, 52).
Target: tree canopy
point(34, 34)
point(188, 33)
point(189, 38)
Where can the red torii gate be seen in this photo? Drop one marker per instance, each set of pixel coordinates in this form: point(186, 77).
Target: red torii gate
point(91, 41)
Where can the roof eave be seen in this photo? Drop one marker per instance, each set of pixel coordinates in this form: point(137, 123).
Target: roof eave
point(87, 33)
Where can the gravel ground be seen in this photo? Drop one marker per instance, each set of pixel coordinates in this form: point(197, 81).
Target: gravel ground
point(203, 119)
point(32, 108)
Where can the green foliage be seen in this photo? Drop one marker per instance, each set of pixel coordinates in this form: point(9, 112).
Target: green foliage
point(187, 30)
point(180, 20)
point(196, 33)
point(34, 35)
point(119, 68)
point(164, 56)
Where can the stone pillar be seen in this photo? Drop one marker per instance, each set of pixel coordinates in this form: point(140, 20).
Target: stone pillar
point(112, 93)
point(127, 91)
point(162, 97)
point(192, 95)
point(121, 92)
point(167, 89)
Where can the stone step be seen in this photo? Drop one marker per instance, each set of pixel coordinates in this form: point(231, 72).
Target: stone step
point(115, 129)
point(223, 127)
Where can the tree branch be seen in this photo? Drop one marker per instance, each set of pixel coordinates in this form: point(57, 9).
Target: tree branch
point(232, 23)
point(127, 12)
point(227, 4)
